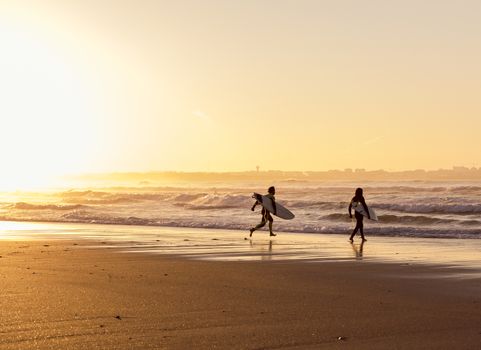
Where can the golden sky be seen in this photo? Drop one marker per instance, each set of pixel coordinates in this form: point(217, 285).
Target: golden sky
point(92, 86)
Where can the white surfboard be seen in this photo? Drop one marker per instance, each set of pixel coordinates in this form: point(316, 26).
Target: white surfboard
point(357, 206)
point(281, 211)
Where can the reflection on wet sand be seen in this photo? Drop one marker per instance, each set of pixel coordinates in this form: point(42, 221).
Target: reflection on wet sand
point(261, 247)
point(211, 244)
point(358, 249)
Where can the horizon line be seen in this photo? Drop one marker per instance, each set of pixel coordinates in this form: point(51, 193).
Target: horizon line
point(345, 170)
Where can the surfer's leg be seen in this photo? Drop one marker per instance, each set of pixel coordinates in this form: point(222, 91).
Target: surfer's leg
point(357, 228)
point(361, 229)
point(270, 229)
point(271, 220)
point(256, 228)
point(353, 233)
point(262, 223)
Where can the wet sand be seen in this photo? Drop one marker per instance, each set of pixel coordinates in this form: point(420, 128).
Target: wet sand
point(66, 294)
point(234, 245)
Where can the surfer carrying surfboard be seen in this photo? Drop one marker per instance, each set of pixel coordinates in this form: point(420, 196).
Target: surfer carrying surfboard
point(360, 206)
point(266, 215)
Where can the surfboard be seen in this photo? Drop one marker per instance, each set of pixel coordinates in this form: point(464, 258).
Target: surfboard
point(357, 206)
point(266, 202)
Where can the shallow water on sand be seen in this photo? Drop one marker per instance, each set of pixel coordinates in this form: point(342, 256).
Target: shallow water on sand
point(231, 245)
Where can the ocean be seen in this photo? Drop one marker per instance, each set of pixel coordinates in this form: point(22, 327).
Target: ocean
point(431, 209)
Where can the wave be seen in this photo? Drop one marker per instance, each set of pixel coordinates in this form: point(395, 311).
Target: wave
point(225, 201)
point(315, 204)
point(29, 206)
point(330, 198)
point(336, 228)
point(79, 194)
point(406, 210)
point(118, 200)
point(86, 217)
point(95, 197)
point(406, 220)
point(425, 220)
point(431, 208)
point(402, 189)
point(197, 200)
point(389, 189)
point(186, 197)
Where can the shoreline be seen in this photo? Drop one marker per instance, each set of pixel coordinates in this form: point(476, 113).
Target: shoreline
point(231, 245)
point(71, 294)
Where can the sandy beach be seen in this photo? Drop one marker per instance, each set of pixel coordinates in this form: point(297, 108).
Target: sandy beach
point(188, 175)
point(86, 294)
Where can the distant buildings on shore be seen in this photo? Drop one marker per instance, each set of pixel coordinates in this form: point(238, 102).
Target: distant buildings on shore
point(456, 173)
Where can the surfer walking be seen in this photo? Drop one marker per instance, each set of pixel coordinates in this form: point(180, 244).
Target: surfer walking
point(358, 199)
point(266, 215)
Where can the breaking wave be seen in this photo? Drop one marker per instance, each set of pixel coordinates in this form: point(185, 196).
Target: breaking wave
point(432, 208)
point(405, 208)
point(29, 206)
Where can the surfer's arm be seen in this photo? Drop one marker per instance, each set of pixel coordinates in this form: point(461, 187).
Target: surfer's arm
point(254, 206)
point(366, 209)
point(350, 207)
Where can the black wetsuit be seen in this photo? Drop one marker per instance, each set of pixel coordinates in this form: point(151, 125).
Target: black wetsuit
point(266, 216)
point(359, 217)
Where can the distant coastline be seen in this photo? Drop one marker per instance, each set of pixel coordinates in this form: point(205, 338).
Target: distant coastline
point(456, 173)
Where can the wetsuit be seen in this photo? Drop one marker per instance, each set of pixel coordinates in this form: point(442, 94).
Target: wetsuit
point(266, 215)
point(359, 217)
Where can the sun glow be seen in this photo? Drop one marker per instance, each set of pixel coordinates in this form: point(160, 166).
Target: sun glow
point(90, 87)
point(46, 111)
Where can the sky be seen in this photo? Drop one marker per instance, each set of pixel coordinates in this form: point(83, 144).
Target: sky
point(188, 85)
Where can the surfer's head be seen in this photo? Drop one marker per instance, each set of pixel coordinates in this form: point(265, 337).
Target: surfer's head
point(358, 192)
point(272, 190)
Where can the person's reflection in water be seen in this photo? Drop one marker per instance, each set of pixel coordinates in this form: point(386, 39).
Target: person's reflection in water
point(269, 255)
point(263, 255)
point(358, 250)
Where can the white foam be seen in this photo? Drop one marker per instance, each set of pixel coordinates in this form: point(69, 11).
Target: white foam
point(407, 209)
